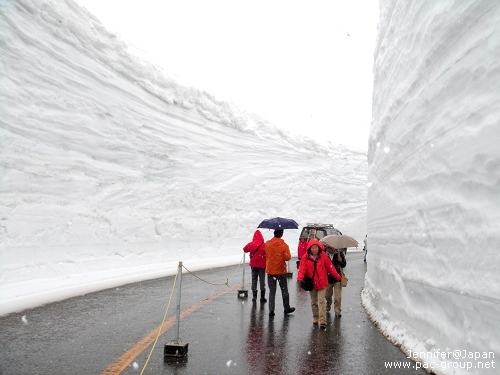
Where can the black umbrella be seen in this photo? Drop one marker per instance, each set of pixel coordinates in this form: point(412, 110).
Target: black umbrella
point(278, 223)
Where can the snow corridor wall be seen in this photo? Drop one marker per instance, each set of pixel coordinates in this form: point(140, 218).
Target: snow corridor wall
point(433, 280)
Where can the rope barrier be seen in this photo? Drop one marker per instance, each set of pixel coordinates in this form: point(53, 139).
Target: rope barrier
point(170, 300)
point(205, 281)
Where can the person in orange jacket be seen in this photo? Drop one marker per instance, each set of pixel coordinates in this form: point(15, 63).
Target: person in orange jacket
point(277, 254)
point(316, 265)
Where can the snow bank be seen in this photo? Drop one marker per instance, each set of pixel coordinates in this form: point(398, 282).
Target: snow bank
point(111, 172)
point(434, 173)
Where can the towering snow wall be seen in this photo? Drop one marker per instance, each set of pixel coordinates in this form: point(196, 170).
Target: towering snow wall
point(433, 280)
point(112, 171)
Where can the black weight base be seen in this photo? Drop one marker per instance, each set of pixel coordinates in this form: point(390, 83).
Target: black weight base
point(175, 350)
point(243, 293)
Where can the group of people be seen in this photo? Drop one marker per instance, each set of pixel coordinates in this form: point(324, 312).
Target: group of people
point(270, 257)
point(316, 261)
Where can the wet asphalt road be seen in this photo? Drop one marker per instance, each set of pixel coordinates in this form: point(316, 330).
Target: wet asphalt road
point(226, 334)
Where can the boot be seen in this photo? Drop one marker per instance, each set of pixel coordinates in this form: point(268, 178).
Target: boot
point(289, 310)
point(263, 296)
point(254, 299)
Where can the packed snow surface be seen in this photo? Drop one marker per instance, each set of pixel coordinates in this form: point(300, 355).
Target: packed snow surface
point(433, 280)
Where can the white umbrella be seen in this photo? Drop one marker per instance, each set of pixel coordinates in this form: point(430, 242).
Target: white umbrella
point(339, 242)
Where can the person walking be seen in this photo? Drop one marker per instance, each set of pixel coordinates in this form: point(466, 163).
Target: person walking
point(334, 287)
point(301, 249)
point(365, 248)
point(315, 264)
point(257, 251)
point(277, 254)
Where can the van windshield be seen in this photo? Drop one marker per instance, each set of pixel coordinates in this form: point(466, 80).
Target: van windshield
point(318, 233)
point(309, 233)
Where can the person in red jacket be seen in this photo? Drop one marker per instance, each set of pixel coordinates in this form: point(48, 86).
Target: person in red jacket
point(257, 250)
point(301, 249)
point(316, 265)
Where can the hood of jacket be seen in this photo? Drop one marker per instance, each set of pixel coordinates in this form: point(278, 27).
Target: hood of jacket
point(315, 241)
point(257, 250)
point(258, 237)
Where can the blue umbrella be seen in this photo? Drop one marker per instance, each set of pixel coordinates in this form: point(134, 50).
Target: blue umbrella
point(277, 223)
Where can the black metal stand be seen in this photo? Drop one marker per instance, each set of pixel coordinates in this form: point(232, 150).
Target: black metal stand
point(176, 348)
point(243, 293)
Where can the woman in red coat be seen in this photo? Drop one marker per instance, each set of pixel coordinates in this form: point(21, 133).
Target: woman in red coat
point(316, 265)
point(257, 250)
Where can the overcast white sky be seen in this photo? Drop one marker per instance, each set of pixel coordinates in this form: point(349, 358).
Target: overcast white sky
point(304, 66)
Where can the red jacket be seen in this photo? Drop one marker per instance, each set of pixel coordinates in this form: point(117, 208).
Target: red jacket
point(302, 249)
point(257, 250)
point(323, 266)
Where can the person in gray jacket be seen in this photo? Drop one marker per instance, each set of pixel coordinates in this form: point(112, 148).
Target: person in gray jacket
point(334, 288)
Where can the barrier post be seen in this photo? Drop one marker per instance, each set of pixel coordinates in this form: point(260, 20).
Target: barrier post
point(243, 293)
point(178, 309)
point(176, 348)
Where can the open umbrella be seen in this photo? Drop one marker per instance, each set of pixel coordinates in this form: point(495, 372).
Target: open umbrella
point(278, 223)
point(339, 242)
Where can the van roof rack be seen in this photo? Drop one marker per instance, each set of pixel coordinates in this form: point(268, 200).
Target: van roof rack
point(320, 225)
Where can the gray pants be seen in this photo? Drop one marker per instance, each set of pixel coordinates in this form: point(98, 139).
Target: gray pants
point(258, 274)
point(272, 280)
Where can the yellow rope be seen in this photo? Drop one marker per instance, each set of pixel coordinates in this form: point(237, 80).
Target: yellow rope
point(161, 325)
point(227, 280)
point(237, 268)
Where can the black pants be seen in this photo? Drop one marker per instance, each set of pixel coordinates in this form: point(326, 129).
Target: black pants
point(272, 280)
point(258, 274)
